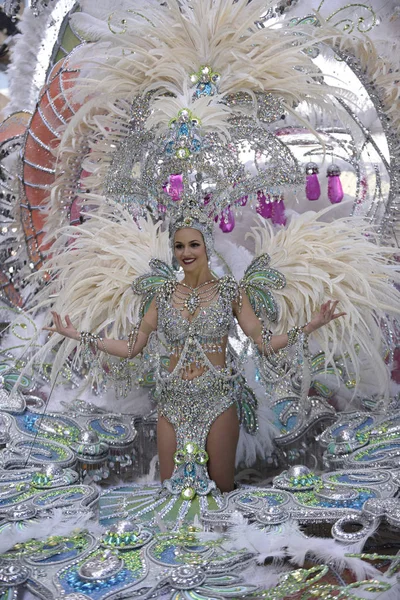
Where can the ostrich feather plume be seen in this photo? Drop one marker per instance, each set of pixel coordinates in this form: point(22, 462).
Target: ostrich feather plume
point(335, 261)
point(92, 268)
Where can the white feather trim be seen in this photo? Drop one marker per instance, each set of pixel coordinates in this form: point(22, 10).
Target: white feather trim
point(56, 524)
point(261, 445)
point(23, 87)
point(287, 540)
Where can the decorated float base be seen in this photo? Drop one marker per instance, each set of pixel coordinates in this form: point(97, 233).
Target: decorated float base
point(65, 532)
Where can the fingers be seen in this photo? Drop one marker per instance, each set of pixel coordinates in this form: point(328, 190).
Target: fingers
point(328, 309)
point(59, 326)
point(56, 319)
point(337, 315)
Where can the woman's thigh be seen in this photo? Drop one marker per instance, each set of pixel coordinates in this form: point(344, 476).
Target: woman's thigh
point(221, 447)
point(166, 446)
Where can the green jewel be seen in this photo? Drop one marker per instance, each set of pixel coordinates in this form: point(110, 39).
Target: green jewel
point(202, 457)
point(190, 448)
point(182, 153)
point(179, 457)
point(188, 493)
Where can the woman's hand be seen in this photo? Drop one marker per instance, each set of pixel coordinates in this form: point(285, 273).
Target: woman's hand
point(326, 315)
point(67, 330)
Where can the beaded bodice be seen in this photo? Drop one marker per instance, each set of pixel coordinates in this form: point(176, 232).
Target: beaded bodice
point(210, 324)
point(203, 332)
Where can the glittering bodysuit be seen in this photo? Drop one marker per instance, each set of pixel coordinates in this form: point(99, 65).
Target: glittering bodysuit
point(192, 405)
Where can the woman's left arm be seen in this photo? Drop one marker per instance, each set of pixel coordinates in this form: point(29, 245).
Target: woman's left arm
point(253, 327)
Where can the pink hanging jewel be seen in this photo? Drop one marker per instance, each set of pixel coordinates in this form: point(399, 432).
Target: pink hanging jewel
point(176, 186)
point(335, 190)
point(264, 208)
point(278, 211)
point(313, 189)
point(227, 222)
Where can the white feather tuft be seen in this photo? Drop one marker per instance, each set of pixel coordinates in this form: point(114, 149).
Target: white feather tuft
point(40, 529)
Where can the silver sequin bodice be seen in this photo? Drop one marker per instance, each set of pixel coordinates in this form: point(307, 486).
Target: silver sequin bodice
point(203, 334)
point(211, 323)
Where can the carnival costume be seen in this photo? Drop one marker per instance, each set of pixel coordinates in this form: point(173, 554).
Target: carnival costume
point(162, 104)
point(181, 159)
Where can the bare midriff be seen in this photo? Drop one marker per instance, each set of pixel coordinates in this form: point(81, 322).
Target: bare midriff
point(217, 359)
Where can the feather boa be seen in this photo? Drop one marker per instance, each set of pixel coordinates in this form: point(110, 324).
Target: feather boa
point(22, 73)
point(40, 529)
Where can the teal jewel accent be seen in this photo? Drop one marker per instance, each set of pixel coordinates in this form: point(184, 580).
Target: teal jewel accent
point(258, 280)
point(149, 284)
point(190, 476)
point(41, 479)
point(9, 376)
point(58, 428)
point(206, 81)
point(312, 499)
point(97, 583)
point(184, 138)
point(247, 405)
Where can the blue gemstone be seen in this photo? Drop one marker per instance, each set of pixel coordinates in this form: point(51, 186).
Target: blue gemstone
point(169, 148)
point(190, 469)
point(195, 146)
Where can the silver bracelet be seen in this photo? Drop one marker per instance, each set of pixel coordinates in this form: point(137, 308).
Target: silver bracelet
point(132, 337)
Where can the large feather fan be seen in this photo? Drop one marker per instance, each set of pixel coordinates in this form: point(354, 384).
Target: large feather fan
point(150, 46)
point(92, 268)
point(335, 261)
point(144, 46)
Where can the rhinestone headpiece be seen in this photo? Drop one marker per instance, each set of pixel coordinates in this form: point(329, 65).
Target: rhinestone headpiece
point(190, 213)
point(185, 157)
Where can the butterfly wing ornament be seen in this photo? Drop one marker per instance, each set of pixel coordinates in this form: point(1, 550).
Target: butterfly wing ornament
point(148, 284)
point(258, 281)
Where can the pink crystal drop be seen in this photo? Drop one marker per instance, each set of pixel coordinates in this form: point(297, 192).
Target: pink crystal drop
point(242, 201)
point(227, 222)
point(278, 212)
point(264, 208)
point(175, 187)
point(313, 189)
point(335, 190)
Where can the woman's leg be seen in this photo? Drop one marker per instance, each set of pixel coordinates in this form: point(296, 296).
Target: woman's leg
point(166, 446)
point(221, 447)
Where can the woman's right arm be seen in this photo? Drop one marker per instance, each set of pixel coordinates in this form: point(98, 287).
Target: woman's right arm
point(119, 348)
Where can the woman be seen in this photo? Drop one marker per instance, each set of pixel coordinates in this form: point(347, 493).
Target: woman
point(197, 404)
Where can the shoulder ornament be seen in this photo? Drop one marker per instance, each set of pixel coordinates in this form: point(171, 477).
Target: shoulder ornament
point(258, 281)
point(160, 283)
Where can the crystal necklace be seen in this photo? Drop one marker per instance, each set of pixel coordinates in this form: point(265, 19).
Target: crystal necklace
point(196, 296)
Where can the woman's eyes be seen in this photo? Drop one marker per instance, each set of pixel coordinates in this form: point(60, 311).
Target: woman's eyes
point(179, 247)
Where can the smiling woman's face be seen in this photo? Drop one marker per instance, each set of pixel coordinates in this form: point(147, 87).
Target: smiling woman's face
point(189, 248)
